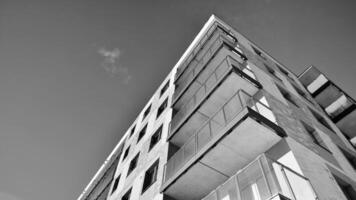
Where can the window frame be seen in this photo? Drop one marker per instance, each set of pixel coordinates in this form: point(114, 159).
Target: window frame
point(153, 173)
point(116, 183)
point(164, 88)
point(133, 164)
point(162, 108)
point(159, 133)
point(142, 133)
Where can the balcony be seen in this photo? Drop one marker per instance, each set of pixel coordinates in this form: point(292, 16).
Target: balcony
point(264, 179)
point(243, 128)
point(204, 43)
point(219, 85)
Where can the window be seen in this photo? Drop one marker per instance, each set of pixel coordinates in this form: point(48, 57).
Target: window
point(287, 96)
point(133, 164)
point(164, 89)
point(150, 176)
point(155, 138)
point(314, 136)
point(126, 153)
point(346, 188)
point(301, 92)
point(147, 111)
point(349, 157)
point(116, 183)
point(162, 107)
point(142, 133)
point(127, 195)
point(132, 130)
point(271, 71)
point(258, 52)
point(320, 119)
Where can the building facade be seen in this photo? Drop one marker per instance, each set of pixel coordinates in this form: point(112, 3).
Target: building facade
point(230, 123)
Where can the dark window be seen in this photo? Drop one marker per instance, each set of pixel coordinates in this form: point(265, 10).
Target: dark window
point(147, 111)
point(164, 89)
point(116, 183)
point(301, 92)
point(155, 138)
point(258, 52)
point(142, 133)
point(346, 188)
point(272, 72)
point(287, 96)
point(127, 195)
point(349, 157)
point(162, 107)
point(132, 130)
point(126, 153)
point(314, 136)
point(133, 164)
point(150, 176)
point(282, 70)
point(320, 119)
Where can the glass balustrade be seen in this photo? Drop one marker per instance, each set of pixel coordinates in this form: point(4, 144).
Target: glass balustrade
point(195, 66)
point(264, 179)
point(206, 87)
point(201, 44)
point(214, 125)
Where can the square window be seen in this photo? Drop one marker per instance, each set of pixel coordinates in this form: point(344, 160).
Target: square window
point(258, 52)
point(155, 138)
point(147, 111)
point(133, 164)
point(126, 153)
point(132, 130)
point(142, 133)
point(320, 119)
point(314, 136)
point(164, 89)
point(150, 176)
point(162, 107)
point(127, 195)
point(287, 96)
point(116, 183)
point(272, 72)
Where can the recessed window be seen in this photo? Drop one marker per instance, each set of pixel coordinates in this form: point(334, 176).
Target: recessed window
point(258, 52)
point(133, 164)
point(301, 92)
point(147, 111)
point(314, 135)
point(272, 72)
point(287, 96)
point(126, 153)
point(132, 130)
point(155, 138)
point(349, 157)
point(142, 133)
point(164, 89)
point(116, 183)
point(127, 195)
point(162, 107)
point(320, 119)
point(150, 176)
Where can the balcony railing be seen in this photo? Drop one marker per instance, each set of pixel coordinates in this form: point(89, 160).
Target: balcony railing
point(206, 87)
point(201, 45)
point(196, 65)
point(264, 179)
point(214, 125)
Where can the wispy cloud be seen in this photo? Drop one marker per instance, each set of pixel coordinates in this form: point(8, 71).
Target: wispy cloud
point(6, 196)
point(111, 64)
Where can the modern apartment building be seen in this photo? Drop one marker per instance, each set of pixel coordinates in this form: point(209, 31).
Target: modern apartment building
point(229, 123)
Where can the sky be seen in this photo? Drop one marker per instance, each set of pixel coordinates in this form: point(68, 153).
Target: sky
point(75, 74)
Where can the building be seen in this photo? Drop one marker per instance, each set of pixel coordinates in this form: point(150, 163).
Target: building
point(229, 122)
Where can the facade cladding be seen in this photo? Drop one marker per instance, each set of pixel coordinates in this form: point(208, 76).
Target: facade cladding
point(230, 123)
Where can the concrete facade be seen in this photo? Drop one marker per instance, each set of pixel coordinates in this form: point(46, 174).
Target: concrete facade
point(293, 135)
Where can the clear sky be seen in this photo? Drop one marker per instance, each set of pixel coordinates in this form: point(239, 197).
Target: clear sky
point(74, 74)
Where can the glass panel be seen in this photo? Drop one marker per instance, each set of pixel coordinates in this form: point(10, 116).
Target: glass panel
point(203, 136)
point(300, 186)
point(281, 180)
point(228, 191)
point(189, 149)
point(266, 112)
